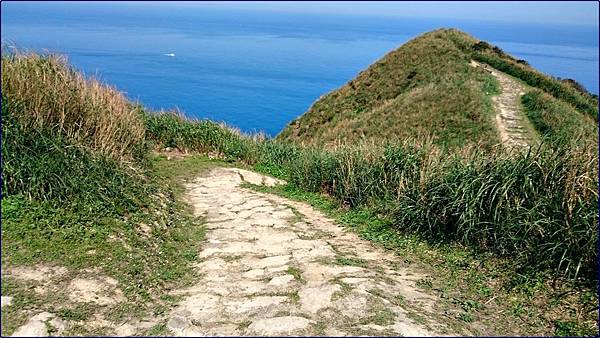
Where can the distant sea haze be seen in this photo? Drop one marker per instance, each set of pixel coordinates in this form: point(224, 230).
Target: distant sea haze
point(257, 70)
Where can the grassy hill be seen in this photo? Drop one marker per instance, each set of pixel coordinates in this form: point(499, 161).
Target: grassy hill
point(425, 88)
point(82, 186)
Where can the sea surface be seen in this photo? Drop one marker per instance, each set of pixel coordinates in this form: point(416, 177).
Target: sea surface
point(256, 70)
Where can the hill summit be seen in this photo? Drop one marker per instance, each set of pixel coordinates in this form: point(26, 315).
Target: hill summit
point(426, 88)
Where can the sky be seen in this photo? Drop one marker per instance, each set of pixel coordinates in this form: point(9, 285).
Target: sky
point(551, 12)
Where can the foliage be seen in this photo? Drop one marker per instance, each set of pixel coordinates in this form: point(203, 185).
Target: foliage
point(558, 122)
point(539, 208)
point(175, 131)
point(47, 94)
point(424, 89)
point(583, 102)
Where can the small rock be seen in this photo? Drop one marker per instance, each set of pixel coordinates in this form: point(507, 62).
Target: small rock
point(125, 330)
point(281, 280)
point(36, 326)
point(6, 301)
point(254, 273)
point(279, 325)
point(177, 323)
point(274, 261)
point(145, 229)
point(333, 332)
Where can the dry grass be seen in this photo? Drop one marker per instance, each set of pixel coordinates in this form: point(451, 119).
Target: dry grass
point(53, 96)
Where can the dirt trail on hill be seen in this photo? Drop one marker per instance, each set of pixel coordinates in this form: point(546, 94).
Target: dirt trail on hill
point(509, 117)
point(272, 266)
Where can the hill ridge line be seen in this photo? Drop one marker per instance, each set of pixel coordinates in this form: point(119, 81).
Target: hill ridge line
point(510, 118)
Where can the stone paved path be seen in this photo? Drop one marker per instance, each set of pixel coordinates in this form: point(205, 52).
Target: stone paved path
point(509, 117)
point(271, 266)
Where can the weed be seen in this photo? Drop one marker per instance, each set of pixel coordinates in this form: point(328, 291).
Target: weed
point(297, 273)
point(231, 258)
point(319, 328)
point(353, 261)
point(466, 317)
point(345, 290)
point(294, 297)
point(244, 325)
point(158, 330)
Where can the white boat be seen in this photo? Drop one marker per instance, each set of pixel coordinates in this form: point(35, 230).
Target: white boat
point(170, 54)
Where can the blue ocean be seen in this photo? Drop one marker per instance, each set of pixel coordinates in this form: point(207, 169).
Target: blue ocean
point(257, 70)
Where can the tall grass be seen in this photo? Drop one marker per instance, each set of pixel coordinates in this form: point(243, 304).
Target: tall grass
point(75, 177)
point(558, 122)
point(538, 208)
point(52, 95)
point(173, 130)
point(68, 139)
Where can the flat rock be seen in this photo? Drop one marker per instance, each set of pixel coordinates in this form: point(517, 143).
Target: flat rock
point(6, 300)
point(314, 298)
point(244, 284)
point(258, 304)
point(281, 281)
point(279, 325)
point(37, 326)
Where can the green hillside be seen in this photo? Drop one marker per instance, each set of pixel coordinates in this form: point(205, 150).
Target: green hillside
point(425, 88)
point(94, 183)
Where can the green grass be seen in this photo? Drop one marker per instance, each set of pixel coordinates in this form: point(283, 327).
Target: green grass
point(296, 273)
point(558, 122)
point(471, 284)
point(584, 102)
point(424, 89)
point(512, 206)
point(533, 215)
point(175, 131)
point(80, 206)
point(81, 236)
point(352, 261)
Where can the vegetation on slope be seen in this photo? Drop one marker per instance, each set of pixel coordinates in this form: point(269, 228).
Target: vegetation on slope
point(425, 88)
point(568, 91)
point(538, 208)
point(559, 122)
point(78, 192)
point(537, 211)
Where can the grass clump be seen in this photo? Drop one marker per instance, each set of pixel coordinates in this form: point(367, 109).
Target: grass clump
point(173, 130)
